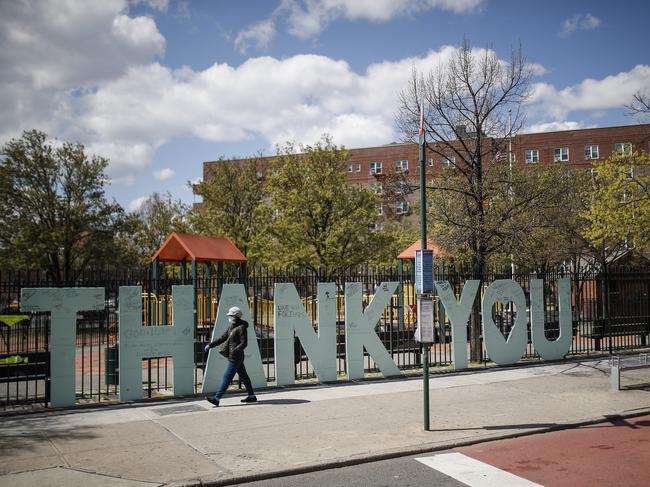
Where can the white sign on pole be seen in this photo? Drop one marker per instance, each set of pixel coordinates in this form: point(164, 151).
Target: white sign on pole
point(425, 330)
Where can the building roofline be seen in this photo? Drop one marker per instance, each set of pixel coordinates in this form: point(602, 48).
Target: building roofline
point(398, 144)
point(588, 128)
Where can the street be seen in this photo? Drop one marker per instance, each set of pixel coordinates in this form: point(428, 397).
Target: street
point(615, 453)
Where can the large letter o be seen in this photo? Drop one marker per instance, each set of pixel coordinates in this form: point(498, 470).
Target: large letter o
point(500, 350)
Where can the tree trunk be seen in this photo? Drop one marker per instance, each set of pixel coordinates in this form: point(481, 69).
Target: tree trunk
point(476, 339)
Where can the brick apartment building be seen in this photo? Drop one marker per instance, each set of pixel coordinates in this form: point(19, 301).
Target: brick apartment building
point(576, 148)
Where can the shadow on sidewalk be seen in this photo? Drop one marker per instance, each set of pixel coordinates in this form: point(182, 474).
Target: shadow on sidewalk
point(34, 440)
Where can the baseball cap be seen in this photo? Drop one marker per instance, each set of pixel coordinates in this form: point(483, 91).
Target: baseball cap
point(234, 311)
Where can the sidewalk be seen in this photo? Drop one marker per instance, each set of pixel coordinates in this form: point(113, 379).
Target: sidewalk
point(188, 442)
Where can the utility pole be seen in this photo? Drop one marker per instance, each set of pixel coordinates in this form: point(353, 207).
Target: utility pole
point(512, 260)
point(423, 235)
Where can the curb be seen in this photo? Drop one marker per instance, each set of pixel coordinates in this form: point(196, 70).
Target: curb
point(387, 455)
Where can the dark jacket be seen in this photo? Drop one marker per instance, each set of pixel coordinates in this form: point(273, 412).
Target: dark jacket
point(238, 340)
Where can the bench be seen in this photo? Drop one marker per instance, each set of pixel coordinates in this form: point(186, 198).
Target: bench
point(620, 326)
point(618, 364)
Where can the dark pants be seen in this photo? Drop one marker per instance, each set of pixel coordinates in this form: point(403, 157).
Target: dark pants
point(231, 369)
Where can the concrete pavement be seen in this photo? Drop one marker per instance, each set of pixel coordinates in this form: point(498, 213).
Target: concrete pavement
point(188, 442)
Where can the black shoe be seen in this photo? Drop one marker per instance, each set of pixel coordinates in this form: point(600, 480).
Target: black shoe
point(249, 399)
point(212, 400)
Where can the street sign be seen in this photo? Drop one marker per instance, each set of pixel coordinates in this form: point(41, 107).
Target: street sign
point(425, 330)
point(423, 271)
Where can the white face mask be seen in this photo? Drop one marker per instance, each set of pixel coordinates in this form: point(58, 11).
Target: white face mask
point(231, 320)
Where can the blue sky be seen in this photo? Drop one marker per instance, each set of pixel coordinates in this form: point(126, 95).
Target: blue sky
point(159, 86)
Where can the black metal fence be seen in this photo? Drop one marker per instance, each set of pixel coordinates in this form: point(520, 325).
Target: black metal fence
point(610, 310)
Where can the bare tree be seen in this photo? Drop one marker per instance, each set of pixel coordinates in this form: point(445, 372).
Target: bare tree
point(640, 104)
point(472, 109)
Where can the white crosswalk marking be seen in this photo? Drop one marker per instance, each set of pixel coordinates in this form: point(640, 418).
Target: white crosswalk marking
point(472, 472)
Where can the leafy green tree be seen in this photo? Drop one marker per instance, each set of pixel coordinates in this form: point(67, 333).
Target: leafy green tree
point(619, 210)
point(232, 193)
point(152, 223)
point(53, 210)
point(517, 216)
point(317, 220)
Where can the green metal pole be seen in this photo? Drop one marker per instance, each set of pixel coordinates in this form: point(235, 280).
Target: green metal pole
point(208, 290)
point(423, 236)
point(400, 296)
point(195, 285)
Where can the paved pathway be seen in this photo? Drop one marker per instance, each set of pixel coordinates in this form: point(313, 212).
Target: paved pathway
point(185, 442)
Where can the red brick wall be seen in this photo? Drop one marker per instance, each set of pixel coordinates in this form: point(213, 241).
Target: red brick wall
point(546, 143)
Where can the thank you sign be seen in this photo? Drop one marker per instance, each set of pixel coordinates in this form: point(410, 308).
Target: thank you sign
point(138, 342)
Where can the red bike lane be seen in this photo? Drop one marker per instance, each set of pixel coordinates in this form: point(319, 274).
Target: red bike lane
point(614, 453)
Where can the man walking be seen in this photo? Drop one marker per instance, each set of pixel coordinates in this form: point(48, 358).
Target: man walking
point(233, 342)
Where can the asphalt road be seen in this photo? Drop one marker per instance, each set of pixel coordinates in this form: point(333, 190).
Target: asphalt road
point(613, 453)
point(398, 472)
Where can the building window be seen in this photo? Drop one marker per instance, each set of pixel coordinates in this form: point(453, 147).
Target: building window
point(349, 167)
point(401, 207)
point(449, 161)
point(532, 156)
point(561, 154)
point(430, 161)
point(358, 167)
point(380, 209)
point(402, 165)
point(259, 175)
point(376, 227)
point(591, 152)
point(623, 148)
point(375, 168)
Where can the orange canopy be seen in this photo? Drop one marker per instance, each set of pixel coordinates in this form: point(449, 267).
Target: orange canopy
point(199, 248)
point(409, 253)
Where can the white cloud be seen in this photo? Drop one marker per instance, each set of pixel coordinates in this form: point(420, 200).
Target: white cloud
point(260, 34)
point(579, 22)
point(308, 18)
point(537, 69)
point(297, 98)
point(553, 127)
point(56, 52)
point(127, 158)
point(590, 95)
point(164, 174)
point(74, 43)
point(136, 204)
point(127, 112)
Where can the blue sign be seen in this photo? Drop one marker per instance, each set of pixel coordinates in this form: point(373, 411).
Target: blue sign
point(424, 272)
